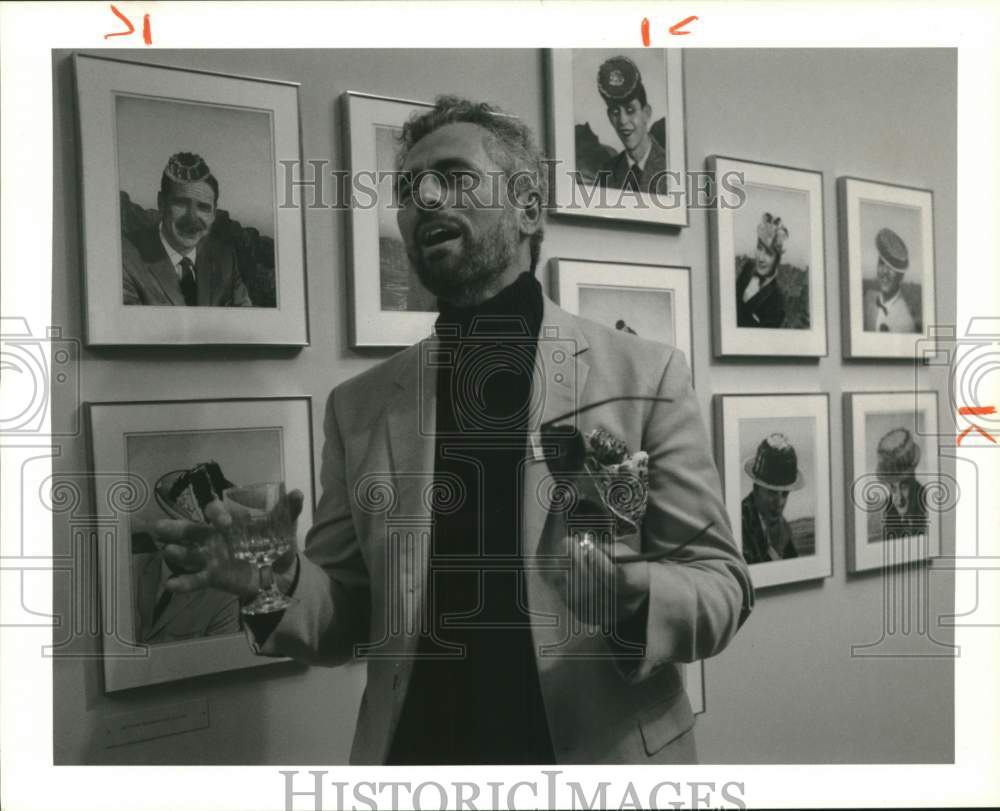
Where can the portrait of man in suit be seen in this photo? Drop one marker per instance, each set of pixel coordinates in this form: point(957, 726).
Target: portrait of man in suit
point(541, 644)
point(641, 165)
point(178, 262)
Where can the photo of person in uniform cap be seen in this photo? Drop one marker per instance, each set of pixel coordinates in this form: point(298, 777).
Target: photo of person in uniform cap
point(177, 262)
point(775, 473)
point(897, 457)
point(885, 308)
point(759, 299)
point(641, 165)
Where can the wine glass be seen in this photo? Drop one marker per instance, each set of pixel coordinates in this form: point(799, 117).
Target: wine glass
point(262, 530)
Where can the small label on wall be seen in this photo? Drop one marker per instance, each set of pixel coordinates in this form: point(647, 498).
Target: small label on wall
point(156, 722)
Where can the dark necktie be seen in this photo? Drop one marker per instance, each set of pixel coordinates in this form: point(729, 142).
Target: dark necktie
point(161, 604)
point(632, 178)
point(189, 288)
point(881, 305)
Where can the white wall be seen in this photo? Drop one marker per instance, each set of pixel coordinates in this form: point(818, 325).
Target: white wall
point(788, 689)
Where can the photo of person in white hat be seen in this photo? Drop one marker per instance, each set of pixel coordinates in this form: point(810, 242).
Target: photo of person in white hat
point(885, 308)
point(775, 473)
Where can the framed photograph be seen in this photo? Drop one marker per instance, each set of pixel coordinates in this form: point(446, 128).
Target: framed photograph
point(894, 478)
point(389, 306)
point(186, 237)
point(768, 271)
point(774, 454)
point(652, 301)
point(887, 273)
point(171, 453)
point(616, 125)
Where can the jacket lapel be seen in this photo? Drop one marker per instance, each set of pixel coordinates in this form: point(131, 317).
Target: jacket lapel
point(161, 269)
point(559, 384)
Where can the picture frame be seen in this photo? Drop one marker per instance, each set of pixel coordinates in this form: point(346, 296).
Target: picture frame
point(139, 122)
point(766, 445)
point(139, 453)
point(886, 234)
point(389, 308)
point(783, 313)
point(593, 155)
point(655, 300)
point(894, 478)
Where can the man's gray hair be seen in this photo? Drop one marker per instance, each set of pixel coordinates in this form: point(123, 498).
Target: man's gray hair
point(507, 141)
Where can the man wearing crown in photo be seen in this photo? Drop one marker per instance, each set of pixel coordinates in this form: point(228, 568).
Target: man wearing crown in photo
point(775, 473)
point(885, 309)
point(759, 300)
point(177, 263)
point(641, 165)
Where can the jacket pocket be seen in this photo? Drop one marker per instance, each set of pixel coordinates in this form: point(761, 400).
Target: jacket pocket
point(665, 721)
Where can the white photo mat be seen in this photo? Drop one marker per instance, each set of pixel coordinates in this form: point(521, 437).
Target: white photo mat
point(863, 554)
point(371, 326)
point(730, 409)
point(109, 322)
point(728, 338)
point(568, 276)
point(851, 193)
point(110, 426)
point(567, 198)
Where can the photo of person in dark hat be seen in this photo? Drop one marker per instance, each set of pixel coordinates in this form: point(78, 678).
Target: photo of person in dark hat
point(885, 308)
point(897, 457)
point(759, 299)
point(641, 165)
point(775, 473)
point(177, 262)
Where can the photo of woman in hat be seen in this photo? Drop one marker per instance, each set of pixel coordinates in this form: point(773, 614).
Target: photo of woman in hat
point(898, 455)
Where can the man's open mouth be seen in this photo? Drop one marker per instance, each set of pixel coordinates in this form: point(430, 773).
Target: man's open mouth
point(437, 233)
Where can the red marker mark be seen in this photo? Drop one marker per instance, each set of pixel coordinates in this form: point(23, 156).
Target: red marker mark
point(645, 32)
point(147, 34)
point(974, 410)
point(124, 19)
point(675, 29)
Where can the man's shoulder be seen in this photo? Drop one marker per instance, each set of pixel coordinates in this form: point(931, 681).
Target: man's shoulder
point(624, 352)
point(142, 245)
point(380, 376)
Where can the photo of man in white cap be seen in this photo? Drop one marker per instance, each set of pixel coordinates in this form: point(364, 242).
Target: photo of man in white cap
point(885, 308)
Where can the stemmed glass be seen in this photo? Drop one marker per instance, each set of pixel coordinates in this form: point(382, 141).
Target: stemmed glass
point(263, 530)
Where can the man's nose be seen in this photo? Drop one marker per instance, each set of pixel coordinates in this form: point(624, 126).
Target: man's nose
point(431, 190)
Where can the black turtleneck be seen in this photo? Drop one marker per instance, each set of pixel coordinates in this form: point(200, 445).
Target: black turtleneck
point(484, 706)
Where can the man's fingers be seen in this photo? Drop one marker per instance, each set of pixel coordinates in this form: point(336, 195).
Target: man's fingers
point(172, 530)
point(295, 501)
point(217, 515)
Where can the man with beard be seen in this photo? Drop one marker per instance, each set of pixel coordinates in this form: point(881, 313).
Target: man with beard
point(775, 473)
point(178, 263)
point(759, 300)
point(885, 309)
point(442, 550)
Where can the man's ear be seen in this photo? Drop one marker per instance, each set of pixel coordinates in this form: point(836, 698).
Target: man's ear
point(528, 200)
point(647, 111)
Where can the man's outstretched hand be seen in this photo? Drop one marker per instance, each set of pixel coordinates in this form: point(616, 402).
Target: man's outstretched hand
point(203, 555)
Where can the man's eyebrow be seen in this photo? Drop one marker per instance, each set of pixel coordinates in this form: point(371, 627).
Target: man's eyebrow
point(443, 165)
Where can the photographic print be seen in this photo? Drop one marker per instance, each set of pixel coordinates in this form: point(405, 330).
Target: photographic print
point(180, 180)
point(180, 456)
point(892, 465)
point(616, 122)
point(768, 273)
point(887, 251)
point(651, 301)
point(775, 458)
point(390, 308)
